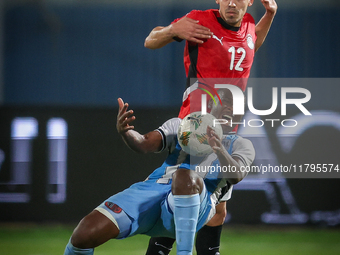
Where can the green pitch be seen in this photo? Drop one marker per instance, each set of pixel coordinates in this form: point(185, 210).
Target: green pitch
point(51, 240)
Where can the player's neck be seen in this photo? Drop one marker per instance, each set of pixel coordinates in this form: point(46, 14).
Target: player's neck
point(226, 25)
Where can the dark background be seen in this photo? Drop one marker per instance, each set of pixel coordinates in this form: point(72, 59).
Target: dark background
point(72, 60)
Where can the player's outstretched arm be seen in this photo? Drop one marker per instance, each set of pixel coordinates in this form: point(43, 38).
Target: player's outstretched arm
point(159, 37)
point(263, 26)
point(225, 158)
point(150, 142)
point(185, 29)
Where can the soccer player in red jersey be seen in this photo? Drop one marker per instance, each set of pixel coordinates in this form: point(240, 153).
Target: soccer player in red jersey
point(219, 44)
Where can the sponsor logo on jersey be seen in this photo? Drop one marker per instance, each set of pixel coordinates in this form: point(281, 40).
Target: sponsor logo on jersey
point(113, 207)
point(250, 42)
point(218, 39)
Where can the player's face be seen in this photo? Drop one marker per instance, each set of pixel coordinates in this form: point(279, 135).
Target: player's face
point(225, 111)
point(232, 11)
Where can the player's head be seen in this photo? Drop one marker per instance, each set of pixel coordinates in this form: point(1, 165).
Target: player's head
point(224, 111)
point(232, 11)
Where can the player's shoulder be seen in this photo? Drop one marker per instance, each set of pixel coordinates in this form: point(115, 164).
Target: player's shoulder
point(240, 139)
point(243, 144)
point(248, 18)
point(240, 142)
point(243, 148)
point(196, 14)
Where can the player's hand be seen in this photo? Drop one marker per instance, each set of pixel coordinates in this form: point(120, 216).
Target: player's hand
point(215, 142)
point(270, 6)
point(189, 29)
point(124, 117)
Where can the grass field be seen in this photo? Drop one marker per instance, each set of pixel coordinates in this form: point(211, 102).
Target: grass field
point(51, 240)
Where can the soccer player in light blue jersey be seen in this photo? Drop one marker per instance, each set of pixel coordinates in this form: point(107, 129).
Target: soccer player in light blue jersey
point(175, 200)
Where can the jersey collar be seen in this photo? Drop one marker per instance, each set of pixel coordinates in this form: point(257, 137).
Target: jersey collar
point(225, 24)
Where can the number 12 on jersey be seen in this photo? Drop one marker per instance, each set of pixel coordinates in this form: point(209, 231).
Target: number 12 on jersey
point(233, 52)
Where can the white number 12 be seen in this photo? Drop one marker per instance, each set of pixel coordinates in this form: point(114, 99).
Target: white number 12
point(239, 51)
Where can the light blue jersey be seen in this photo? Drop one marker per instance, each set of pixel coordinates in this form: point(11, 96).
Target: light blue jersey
point(234, 144)
point(147, 206)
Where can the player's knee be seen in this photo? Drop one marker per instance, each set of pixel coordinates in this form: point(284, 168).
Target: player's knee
point(82, 239)
point(186, 182)
point(84, 236)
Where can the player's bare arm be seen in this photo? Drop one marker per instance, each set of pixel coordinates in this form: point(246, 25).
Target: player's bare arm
point(185, 28)
point(225, 158)
point(150, 142)
point(263, 26)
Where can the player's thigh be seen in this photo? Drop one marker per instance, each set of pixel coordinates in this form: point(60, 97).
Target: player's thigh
point(93, 230)
point(220, 215)
point(221, 208)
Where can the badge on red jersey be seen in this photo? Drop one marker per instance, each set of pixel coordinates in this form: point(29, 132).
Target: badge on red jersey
point(250, 42)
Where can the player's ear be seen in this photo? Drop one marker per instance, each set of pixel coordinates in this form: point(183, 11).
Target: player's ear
point(217, 1)
point(250, 2)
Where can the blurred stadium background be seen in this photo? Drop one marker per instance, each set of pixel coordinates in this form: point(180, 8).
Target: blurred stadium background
point(63, 64)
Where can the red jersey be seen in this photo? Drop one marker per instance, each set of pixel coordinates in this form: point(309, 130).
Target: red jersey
point(228, 54)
